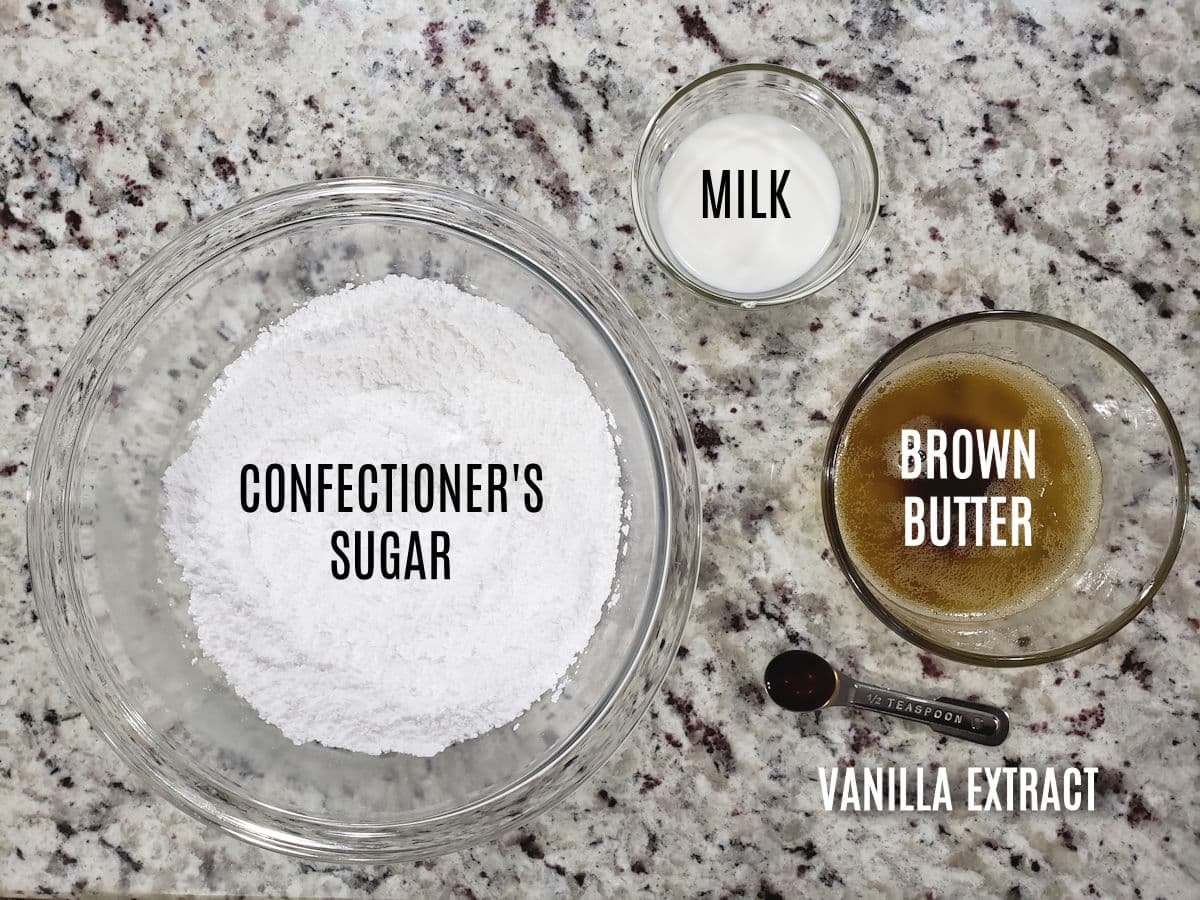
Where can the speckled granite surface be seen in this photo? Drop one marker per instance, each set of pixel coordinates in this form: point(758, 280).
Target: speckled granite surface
point(1034, 159)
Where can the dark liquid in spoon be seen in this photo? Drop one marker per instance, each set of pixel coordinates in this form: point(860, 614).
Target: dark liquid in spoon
point(800, 681)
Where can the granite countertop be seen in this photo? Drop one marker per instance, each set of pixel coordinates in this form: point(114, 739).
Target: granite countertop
point(1035, 158)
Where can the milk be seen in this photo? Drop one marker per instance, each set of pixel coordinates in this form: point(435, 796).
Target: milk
point(748, 203)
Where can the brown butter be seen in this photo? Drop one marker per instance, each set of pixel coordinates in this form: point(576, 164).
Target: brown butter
point(971, 391)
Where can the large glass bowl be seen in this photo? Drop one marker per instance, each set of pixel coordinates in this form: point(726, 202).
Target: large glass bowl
point(116, 611)
point(1143, 495)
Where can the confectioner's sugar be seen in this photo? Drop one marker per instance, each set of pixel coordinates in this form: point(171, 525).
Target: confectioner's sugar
point(400, 370)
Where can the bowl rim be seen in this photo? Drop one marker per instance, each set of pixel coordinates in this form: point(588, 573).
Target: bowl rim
point(864, 590)
point(768, 299)
point(58, 595)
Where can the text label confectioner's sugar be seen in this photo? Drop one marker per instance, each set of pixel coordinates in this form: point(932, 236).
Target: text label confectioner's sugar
point(399, 518)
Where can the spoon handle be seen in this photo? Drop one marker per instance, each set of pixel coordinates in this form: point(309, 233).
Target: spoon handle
point(976, 722)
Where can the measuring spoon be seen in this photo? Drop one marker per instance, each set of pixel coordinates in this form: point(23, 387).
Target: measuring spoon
point(801, 681)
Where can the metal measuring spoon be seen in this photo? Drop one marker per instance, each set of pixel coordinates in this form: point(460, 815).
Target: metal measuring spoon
point(803, 682)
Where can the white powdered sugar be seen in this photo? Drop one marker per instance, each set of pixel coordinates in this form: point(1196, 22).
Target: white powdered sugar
point(400, 371)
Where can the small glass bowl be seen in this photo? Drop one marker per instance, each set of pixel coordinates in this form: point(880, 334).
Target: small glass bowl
point(789, 95)
point(115, 608)
point(1144, 492)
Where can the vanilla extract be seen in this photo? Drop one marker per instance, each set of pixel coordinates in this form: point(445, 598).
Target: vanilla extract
point(985, 789)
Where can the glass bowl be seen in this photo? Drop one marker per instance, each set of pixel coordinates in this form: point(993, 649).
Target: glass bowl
point(793, 97)
point(1144, 492)
point(116, 611)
